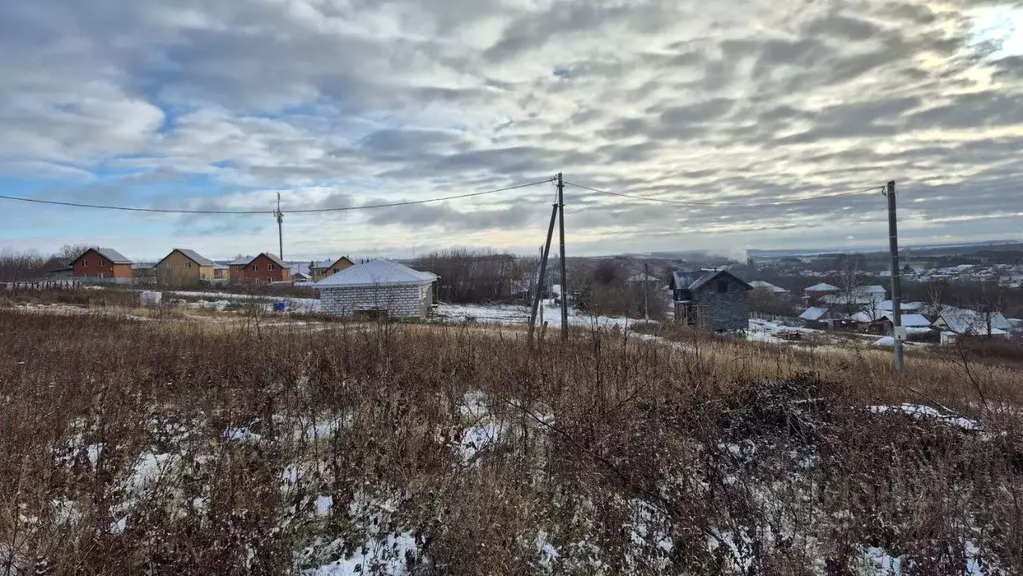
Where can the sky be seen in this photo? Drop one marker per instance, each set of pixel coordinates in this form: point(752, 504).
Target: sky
point(767, 124)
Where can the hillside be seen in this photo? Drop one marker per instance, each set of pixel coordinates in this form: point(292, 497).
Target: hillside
point(141, 445)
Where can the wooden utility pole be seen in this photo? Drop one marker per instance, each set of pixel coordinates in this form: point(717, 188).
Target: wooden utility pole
point(646, 291)
point(280, 230)
point(543, 272)
point(898, 332)
point(564, 276)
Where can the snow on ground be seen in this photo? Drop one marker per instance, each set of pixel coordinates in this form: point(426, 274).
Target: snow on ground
point(220, 300)
point(921, 412)
point(768, 331)
point(519, 314)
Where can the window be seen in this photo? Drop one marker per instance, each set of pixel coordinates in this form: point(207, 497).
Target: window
point(85, 263)
point(102, 262)
point(722, 286)
point(255, 268)
point(270, 267)
point(269, 280)
point(336, 270)
point(188, 264)
point(100, 275)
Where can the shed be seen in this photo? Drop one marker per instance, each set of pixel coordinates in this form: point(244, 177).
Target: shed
point(378, 287)
point(711, 299)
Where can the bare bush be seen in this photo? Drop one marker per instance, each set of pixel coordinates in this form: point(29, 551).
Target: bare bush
point(158, 447)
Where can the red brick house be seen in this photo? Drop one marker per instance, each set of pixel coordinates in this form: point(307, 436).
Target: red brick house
point(103, 264)
point(265, 268)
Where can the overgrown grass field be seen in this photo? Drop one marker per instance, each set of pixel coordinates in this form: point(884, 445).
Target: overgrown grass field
point(155, 447)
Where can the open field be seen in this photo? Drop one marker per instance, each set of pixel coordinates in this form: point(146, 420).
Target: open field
point(171, 447)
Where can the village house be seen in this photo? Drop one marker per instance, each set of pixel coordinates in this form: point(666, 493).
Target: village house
point(714, 300)
point(103, 265)
point(818, 291)
point(378, 288)
point(184, 267)
point(954, 322)
point(327, 268)
point(221, 272)
point(262, 269)
point(234, 268)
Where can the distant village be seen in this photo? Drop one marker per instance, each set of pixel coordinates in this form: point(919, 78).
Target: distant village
point(820, 293)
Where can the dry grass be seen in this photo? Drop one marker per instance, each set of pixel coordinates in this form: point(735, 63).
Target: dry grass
point(162, 447)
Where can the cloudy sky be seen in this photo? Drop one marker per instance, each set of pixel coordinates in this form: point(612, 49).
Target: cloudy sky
point(334, 103)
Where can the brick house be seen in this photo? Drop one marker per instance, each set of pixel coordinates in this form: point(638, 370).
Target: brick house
point(264, 268)
point(714, 300)
point(102, 264)
point(379, 288)
point(184, 267)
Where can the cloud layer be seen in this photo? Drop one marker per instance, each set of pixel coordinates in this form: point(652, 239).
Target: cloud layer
point(338, 103)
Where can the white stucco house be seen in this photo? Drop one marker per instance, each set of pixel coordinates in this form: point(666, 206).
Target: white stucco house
point(380, 287)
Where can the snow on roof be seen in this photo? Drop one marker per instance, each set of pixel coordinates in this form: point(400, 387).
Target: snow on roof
point(813, 314)
point(886, 341)
point(862, 318)
point(377, 273)
point(640, 278)
point(774, 289)
point(911, 320)
point(822, 287)
point(961, 321)
point(871, 289)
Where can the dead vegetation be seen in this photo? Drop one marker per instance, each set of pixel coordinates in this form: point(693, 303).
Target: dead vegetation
point(167, 448)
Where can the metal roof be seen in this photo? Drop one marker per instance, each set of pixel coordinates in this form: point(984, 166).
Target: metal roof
point(243, 261)
point(114, 256)
point(193, 256)
point(377, 273)
point(822, 287)
point(275, 260)
point(813, 314)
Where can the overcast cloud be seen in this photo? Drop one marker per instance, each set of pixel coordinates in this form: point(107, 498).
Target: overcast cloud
point(341, 103)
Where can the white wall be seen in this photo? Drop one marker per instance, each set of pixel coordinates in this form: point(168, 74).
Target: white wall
point(403, 301)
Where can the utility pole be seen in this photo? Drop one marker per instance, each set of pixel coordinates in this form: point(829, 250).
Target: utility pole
point(898, 332)
point(646, 291)
point(280, 231)
point(564, 276)
point(543, 272)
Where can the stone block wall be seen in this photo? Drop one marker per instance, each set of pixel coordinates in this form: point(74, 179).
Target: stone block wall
point(398, 301)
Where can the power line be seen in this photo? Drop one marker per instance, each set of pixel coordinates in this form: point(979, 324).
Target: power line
point(297, 211)
point(726, 204)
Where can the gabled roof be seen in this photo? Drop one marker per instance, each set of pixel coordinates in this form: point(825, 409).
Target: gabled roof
point(243, 261)
point(757, 284)
point(962, 321)
point(275, 260)
point(910, 320)
point(330, 263)
point(246, 260)
point(682, 280)
point(110, 254)
point(377, 273)
point(822, 287)
point(813, 314)
point(191, 255)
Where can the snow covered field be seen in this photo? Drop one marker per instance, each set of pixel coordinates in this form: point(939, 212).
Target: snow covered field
point(511, 314)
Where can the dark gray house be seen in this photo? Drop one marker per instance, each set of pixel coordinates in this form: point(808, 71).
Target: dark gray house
point(715, 300)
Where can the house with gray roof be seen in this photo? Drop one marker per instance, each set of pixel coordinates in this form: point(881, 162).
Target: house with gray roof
point(184, 267)
point(711, 299)
point(102, 265)
point(378, 288)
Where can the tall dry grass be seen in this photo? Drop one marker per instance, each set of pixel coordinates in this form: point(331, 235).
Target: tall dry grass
point(153, 447)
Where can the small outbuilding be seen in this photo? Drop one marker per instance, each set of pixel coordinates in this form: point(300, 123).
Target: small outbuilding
point(378, 288)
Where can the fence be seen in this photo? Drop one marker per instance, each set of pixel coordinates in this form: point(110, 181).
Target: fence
point(42, 285)
point(772, 317)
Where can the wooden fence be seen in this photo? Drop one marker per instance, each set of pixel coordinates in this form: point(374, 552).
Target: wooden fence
point(42, 285)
